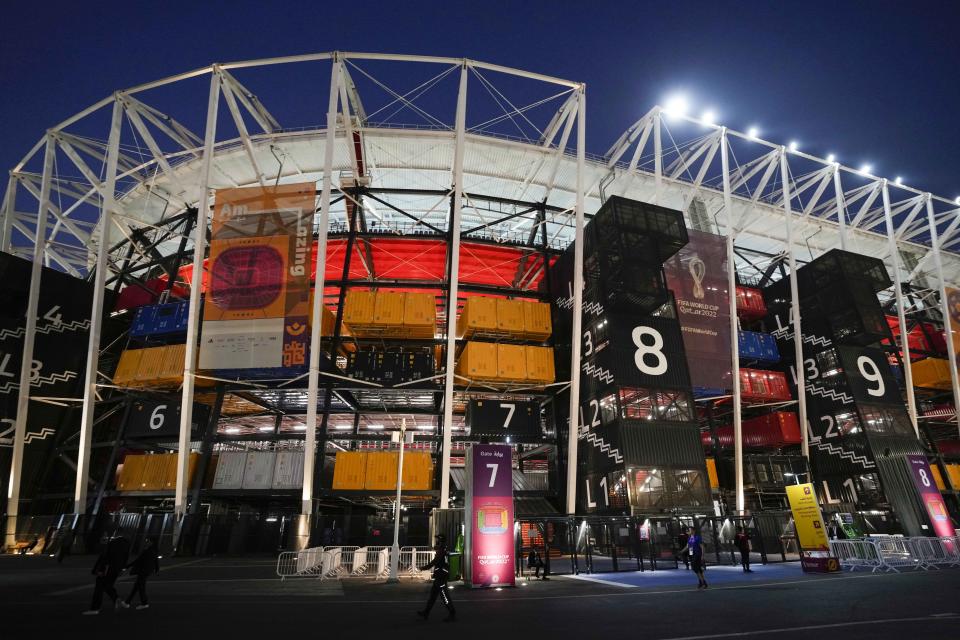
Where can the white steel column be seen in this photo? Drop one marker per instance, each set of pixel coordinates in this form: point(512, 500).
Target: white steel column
point(944, 303)
point(841, 205)
point(460, 129)
point(96, 313)
point(795, 310)
point(657, 155)
point(734, 327)
point(196, 288)
point(576, 336)
point(313, 375)
point(9, 206)
point(30, 333)
point(901, 315)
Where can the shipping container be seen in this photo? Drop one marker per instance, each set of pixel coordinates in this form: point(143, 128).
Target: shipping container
point(622, 218)
point(419, 315)
point(511, 362)
point(750, 304)
point(748, 345)
point(768, 348)
point(417, 471)
point(949, 447)
point(381, 472)
point(151, 361)
point(479, 315)
point(350, 471)
point(358, 309)
point(931, 373)
point(171, 371)
point(712, 473)
point(230, 468)
point(142, 325)
point(258, 471)
point(937, 478)
point(170, 478)
point(510, 317)
point(953, 471)
point(131, 472)
point(171, 318)
point(540, 365)
point(773, 430)
point(478, 361)
point(126, 372)
point(154, 472)
point(537, 324)
point(288, 470)
point(388, 310)
point(763, 386)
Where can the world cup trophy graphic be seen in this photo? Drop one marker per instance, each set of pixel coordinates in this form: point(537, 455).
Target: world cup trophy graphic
point(697, 271)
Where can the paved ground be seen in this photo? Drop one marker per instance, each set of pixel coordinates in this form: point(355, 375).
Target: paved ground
point(241, 598)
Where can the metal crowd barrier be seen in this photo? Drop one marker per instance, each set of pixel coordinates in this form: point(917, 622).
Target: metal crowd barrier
point(355, 562)
point(893, 553)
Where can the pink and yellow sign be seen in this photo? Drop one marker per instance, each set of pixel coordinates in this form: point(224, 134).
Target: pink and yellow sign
point(489, 510)
point(930, 496)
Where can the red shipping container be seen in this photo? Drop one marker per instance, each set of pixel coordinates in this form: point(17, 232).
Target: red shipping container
point(763, 386)
point(134, 296)
point(927, 339)
point(777, 384)
point(774, 430)
point(949, 447)
point(750, 304)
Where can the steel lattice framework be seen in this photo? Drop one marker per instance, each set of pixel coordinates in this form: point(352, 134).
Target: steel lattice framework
point(455, 147)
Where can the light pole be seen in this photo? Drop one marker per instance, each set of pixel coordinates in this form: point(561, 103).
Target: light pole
point(395, 550)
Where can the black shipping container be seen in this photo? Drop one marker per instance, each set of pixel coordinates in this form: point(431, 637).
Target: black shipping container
point(665, 226)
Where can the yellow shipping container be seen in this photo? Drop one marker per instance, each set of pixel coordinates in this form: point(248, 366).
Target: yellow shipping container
point(151, 362)
point(358, 308)
point(540, 367)
point(388, 310)
point(478, 361)
point(510, 317)
point(170, 475)
point(417, 471)
point(127, 368)
point(712, 473)
point(537, 324)
point(419, 315)
point(131, 471)
point(328, 319)
point(935, 470)
point(511, 362)
point(350, 470)
point(479, 315)
point(953, 470)
point(171, 370)
point(154, 472)
point(931, 373)
point(381, 471)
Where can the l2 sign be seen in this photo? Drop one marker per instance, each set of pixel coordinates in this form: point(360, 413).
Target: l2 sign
point(489, 510)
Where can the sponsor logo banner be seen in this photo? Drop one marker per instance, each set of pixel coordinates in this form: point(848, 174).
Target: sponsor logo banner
point(811, 532)
point(489, 510)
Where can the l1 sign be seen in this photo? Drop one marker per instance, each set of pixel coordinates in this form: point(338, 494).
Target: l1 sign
point(489, 510)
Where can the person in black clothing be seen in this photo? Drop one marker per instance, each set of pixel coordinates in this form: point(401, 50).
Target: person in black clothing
point(742, 542)
point(30, 547)
point(534, 561)
point(682, 545)
point(145, 565)
point(107, 568)
point(441, 573)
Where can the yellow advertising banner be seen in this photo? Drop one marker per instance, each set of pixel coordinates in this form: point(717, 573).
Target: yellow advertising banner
point(811, 532)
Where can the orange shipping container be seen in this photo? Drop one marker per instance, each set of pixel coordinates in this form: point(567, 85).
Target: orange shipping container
point(478, 361)
point(388, 309)
point(381, 471)
point(419, 315)
point(358, 308)
point(479, 315)
point(417, 471)
point(151, 361)
point(511, 362)
point(154, 472)
point(510, 317)
point(170, 480)
point(953, 470)
point(127, 368)
point(540, 366)
point(931, 373)
point(131, 471)
point(350, 470)
point(537, 324)
point(935, 469)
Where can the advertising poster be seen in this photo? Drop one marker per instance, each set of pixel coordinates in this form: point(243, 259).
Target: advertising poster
point(697, 275)
point(257, 304)
point(930, 496)
point(811, 533)
point(489, 512)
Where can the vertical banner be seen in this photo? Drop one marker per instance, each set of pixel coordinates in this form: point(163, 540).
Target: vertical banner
point(256, 310)
point(489, 512)
point(930, 496)
point(811, 532)
point(697, 275)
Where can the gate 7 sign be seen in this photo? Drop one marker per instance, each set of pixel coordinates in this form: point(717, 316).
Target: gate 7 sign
point(501, 418)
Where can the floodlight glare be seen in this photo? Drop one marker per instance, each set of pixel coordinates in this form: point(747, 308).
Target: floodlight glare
point(676, 106)
point(898, 180)
point(867, 168)
point(957, 200)
point(793, 145)
point(753, 132)
point(708, 118)
point(831, 157)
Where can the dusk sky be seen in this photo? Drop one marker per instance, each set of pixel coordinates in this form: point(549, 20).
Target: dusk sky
point(870, 81)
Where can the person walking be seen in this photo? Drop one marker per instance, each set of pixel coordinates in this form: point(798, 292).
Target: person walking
point(695, 549)
point(682, 546)
point(107, 568)
point(441, 574)
point(145, 565)
point(742, 542)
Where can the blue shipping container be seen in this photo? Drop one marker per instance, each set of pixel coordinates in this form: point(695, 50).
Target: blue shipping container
point(172, 317)
point(749, 345)
point(143, 322)
point(768, 348)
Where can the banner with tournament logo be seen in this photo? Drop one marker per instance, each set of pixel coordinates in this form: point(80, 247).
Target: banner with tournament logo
point(489, 512)
point(933, 504)
point(697, 276)
point(256, 308)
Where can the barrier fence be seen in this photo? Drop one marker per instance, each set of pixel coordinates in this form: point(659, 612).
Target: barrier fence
point(334, 563)
point(895, 553)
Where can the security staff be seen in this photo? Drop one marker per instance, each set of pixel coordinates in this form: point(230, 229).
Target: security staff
point(441, 574)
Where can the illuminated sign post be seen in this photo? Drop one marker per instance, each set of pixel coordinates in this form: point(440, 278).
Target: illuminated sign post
point(930, 496)
point(811, 532)
point(489, 511)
